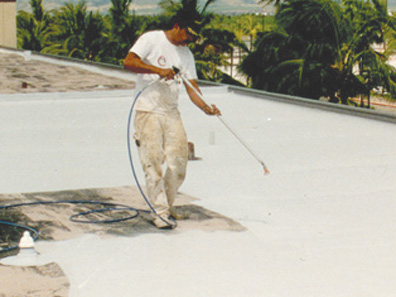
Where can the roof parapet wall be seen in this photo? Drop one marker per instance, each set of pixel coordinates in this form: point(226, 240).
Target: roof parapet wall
point(350, 110)
point(98, 67)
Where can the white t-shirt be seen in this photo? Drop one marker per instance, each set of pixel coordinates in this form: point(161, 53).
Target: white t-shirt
point(154, 48)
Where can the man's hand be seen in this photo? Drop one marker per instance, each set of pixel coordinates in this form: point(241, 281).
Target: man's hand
point(133, 63)
point(166, 73)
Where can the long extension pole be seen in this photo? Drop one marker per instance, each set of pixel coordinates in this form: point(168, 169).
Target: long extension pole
point(266, 171)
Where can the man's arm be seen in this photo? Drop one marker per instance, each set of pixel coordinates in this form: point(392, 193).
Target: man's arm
point(196, 99)
point(133, 63)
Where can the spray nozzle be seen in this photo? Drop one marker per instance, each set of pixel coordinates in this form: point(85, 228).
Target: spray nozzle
point(175, 69)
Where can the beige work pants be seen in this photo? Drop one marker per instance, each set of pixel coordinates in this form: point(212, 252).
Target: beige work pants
point(162, 140)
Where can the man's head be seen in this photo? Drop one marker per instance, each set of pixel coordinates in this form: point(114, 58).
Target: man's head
point(187, 24)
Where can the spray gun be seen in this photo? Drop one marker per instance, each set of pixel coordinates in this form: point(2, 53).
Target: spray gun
point(187, 82)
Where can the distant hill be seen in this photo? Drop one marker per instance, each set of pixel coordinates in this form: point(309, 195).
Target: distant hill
point(151, 6)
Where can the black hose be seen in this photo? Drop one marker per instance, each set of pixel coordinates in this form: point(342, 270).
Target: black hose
point(131, 159)
point(75, 218)
point(108, 206)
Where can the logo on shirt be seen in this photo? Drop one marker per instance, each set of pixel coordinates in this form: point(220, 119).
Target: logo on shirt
point(162, 61)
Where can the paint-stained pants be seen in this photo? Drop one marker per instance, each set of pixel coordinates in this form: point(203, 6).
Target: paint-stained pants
point(162, 140)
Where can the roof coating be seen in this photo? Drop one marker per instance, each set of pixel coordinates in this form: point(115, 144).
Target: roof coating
point(321, 224)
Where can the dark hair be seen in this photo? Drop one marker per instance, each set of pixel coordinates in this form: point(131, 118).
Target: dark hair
point(187, 18)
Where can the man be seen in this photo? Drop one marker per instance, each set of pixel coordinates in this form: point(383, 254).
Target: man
point(160, 133)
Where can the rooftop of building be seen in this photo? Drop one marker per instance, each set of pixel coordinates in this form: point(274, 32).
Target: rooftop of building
point(320, 224)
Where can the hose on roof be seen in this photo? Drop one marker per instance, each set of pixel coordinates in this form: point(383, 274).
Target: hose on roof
point(80, 217)
point(106, 206)
point(131, 162)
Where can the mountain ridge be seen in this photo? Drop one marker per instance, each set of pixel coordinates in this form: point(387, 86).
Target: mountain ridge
point(150, 7)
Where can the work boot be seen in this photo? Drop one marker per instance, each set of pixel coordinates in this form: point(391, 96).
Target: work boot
point(178, 214)
point(162, 222)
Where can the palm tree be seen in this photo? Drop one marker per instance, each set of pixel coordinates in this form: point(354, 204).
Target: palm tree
point(210, 52)
point(276, 3)
point(318, 48)
point(359, 67)
point(124, 29)
point(171, 7)
point(250, 28)
point(289, 59)
point(370, 23)
point(78, 33)
point(33, 28)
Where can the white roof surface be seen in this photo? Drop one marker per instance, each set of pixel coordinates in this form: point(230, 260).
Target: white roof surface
point(321, 224)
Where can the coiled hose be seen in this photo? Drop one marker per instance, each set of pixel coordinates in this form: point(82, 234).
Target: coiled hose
point(76, 217)
point(107, 206)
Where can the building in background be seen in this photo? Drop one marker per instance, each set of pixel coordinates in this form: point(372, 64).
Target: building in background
point(8, 34)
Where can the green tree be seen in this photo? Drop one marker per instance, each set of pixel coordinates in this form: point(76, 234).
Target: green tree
point(250, 28)
point(33, 28)
point(276, 3)
point(124, 29)
point(246, 28)
point(78, 33)
point(171, 7)
point(321, 48)
point(369, 23)
point(214, 51)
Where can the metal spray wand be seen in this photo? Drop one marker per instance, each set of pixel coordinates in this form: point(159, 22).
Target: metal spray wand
point(186, 81)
